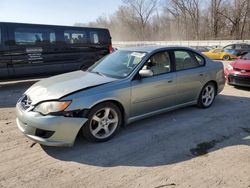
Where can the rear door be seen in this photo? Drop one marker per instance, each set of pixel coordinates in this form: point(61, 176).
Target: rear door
point(5, 57)
point(191, 72)
point(33, 50)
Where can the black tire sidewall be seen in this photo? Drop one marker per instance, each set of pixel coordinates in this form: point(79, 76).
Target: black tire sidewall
point(86, 127)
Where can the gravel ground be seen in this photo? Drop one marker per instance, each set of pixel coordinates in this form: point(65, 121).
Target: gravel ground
point(189, 147)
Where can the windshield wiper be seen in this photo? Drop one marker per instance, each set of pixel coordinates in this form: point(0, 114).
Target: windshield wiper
point(96, 72)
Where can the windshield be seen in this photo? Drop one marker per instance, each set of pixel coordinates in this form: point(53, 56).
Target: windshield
point(118, 64)
point(246, 56)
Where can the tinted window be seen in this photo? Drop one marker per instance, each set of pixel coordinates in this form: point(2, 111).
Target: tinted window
point(229, 47)
point(246, 56)
point(159, 63)
point(185, 60)
point(245, 47)
point(94, 38)
point(75, 37)
point(104, 36)
point(0, 36)
point(31, 36)
point(238, 46)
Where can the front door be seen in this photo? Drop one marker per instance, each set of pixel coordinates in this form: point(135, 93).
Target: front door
point(157, 92)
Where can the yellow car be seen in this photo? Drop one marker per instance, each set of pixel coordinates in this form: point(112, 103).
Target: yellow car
point(219, 54)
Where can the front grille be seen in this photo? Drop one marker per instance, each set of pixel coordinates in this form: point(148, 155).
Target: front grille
point(240, 80)
point(241, 70)
point(25, 102)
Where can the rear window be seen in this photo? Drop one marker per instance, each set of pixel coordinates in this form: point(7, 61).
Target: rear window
point(184, 60)
point(75, 37)
point(0, 36)
point(94, 38)
point(200, 59)
point(32, 36)
point(238, 46)
point(229, 47)
point(104, 37)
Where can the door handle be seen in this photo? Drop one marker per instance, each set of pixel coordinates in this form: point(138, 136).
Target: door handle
point(170, 81)
point(201, 74)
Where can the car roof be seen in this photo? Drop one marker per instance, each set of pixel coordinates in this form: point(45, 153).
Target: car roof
point(150, 49)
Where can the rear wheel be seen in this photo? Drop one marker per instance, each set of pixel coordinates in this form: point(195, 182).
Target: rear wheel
point(226, 57)
point(104, 122)
point(207, 95)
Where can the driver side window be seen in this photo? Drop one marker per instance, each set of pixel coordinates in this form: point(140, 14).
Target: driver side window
point(159, 63)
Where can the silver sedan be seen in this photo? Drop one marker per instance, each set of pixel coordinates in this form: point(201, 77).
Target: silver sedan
point(125, 86)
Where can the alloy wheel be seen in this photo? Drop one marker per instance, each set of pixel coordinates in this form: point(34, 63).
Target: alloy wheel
point(208, 95)
point(103, 123)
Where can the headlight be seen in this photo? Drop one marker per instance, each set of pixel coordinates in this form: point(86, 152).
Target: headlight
point(229, 67)
point(51, 107)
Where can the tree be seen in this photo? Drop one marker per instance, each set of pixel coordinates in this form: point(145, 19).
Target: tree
point(140, 11)
point(215, 8)
point(237, 15)
point(189, 10)
point(178, 20)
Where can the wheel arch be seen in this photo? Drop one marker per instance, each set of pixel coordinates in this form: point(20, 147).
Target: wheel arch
point(214, 82)
point(118, 104)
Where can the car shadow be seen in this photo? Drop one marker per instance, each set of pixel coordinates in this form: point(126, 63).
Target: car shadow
point(168, 138)
point(242, 88)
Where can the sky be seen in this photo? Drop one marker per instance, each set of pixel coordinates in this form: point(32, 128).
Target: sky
point(56, 12)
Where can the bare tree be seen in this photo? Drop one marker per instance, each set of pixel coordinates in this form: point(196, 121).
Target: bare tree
point(189, 9)
point(215, 15)
point(141, 12)
point(237, 14)
point(178, 20)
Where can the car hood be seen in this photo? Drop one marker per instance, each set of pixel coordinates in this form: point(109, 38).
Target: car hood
point(55, 87)
point(241, 64)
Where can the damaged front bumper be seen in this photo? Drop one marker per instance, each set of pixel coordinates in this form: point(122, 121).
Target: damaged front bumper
point(48, 130)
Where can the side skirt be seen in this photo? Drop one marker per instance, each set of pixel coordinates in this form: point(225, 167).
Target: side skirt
point(136, 118)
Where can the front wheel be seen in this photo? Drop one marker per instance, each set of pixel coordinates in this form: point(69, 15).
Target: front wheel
point(207, 95)
point(104, 122)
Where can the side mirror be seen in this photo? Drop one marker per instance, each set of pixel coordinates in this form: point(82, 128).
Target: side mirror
point(146, 73)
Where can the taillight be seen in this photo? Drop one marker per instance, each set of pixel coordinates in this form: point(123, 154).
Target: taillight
point(110, 48)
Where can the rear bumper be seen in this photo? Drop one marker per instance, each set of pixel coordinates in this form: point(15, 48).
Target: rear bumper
point(64, 130)
point(238, 80)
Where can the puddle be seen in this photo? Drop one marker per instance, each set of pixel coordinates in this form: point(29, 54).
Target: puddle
point(203, 148)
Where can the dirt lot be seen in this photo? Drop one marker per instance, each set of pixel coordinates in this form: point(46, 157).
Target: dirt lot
point(189, 147)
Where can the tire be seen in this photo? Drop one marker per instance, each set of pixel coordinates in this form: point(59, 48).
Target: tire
point(226, 57)
point(207, 95)
point(104, 121)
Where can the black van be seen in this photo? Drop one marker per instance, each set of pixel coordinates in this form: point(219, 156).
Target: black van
point(32, 49)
